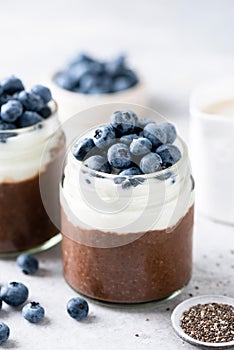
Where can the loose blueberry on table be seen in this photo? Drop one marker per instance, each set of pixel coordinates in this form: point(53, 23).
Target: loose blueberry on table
point(129, 147)
point(4, 332)
point(87, 75)
point(21, 108)
point(33, 312)
point(77, 308)
point(28, 263)
point(14, 293)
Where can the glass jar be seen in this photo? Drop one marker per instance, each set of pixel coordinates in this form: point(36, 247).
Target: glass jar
point(127, 244)
point(24, 163)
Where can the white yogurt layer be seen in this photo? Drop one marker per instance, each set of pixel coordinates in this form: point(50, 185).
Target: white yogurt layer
point(98, 203)
point(23, 156)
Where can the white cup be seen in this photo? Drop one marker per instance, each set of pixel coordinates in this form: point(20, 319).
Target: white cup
point(212, 148)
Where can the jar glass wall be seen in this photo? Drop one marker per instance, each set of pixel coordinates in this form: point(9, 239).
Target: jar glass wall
point(25, 225)
point(127, 245)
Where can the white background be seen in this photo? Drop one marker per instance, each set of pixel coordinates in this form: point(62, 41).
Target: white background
point(176, 44)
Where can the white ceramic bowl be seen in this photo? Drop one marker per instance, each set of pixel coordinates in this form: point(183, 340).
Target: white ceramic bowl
point(185, 305)
point(70, 103)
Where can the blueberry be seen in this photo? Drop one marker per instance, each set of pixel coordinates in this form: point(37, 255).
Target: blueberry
point(45, 112)
point(170, 131)
point(4, 332)
point(31, 101)
point(119, 156)
point(1, 89)
point(77, 308)
point(6, 126)
point(104, 136)
point(11, 110)
point(98, 163)
point(124, 122)
point(127, 139)
point(121, 83)
point(4, 98)
point(0, 304)
point(169, 154)
point(28, 119)
point(43, 92)
point(140, 146)
point(115, 66)
point(131, 171)
point(28, 263)
point(4, 135)
point(65, 81)
point(11, 85)
point(82, 148)
point(143, 122)
point(14, 293)
point(88, 82)
point(127, 180)
point(151, 163)
point(81, 57)
point(131, 75)
point(33, 312)
point(155, 134)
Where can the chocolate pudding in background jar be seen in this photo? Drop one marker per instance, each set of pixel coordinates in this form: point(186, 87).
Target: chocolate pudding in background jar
point(127, 205)
point(28, 122)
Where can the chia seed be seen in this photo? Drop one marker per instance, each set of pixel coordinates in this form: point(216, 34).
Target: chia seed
point(210, 323)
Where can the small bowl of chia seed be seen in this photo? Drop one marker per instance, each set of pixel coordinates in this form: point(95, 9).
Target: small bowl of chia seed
point(206, 321)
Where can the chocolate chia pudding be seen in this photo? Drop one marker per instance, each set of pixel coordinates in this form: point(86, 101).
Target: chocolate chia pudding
point(32, 149)
point(152, 267)
point(25, 223)
point(127, 232)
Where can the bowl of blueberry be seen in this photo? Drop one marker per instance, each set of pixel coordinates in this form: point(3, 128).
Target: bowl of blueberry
point(86, 81)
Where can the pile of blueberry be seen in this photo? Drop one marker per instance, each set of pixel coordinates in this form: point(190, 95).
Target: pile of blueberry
point(87, 75)
point(128, 147)
point(15, 294)
point(21, 108)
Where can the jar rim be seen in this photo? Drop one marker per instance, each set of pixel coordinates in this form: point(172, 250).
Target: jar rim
point(156, 174)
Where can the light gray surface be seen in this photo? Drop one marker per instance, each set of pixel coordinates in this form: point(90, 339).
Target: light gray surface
point(176, 44)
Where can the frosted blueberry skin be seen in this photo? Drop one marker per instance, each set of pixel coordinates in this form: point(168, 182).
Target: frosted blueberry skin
point(123, 122)
point(11, 110)
point(98, 163)
point(119, 156)
point(155, 134)
point(31, 101)
point(151, 163)
point(27, 263)
point(104, 136)
point(11, 85)
point(170, 131)
point(28, 119)
point(169, 154)
point(43, 92)
point(140, 146)
point(14, 293)
point(4, 332)
point(82, 148)
point(127, 139)
point(78, 308)
point(33, 312)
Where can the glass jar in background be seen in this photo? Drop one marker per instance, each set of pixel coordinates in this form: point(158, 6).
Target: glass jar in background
point(212, 144)
point(127, 245)
point(25, 225)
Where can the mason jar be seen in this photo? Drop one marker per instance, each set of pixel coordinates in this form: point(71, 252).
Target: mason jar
point(24, 164)
point(127, 244)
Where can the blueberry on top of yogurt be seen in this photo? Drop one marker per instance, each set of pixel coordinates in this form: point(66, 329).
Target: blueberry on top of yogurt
point(128, 148)
point(87, 75)
point(20, 108)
